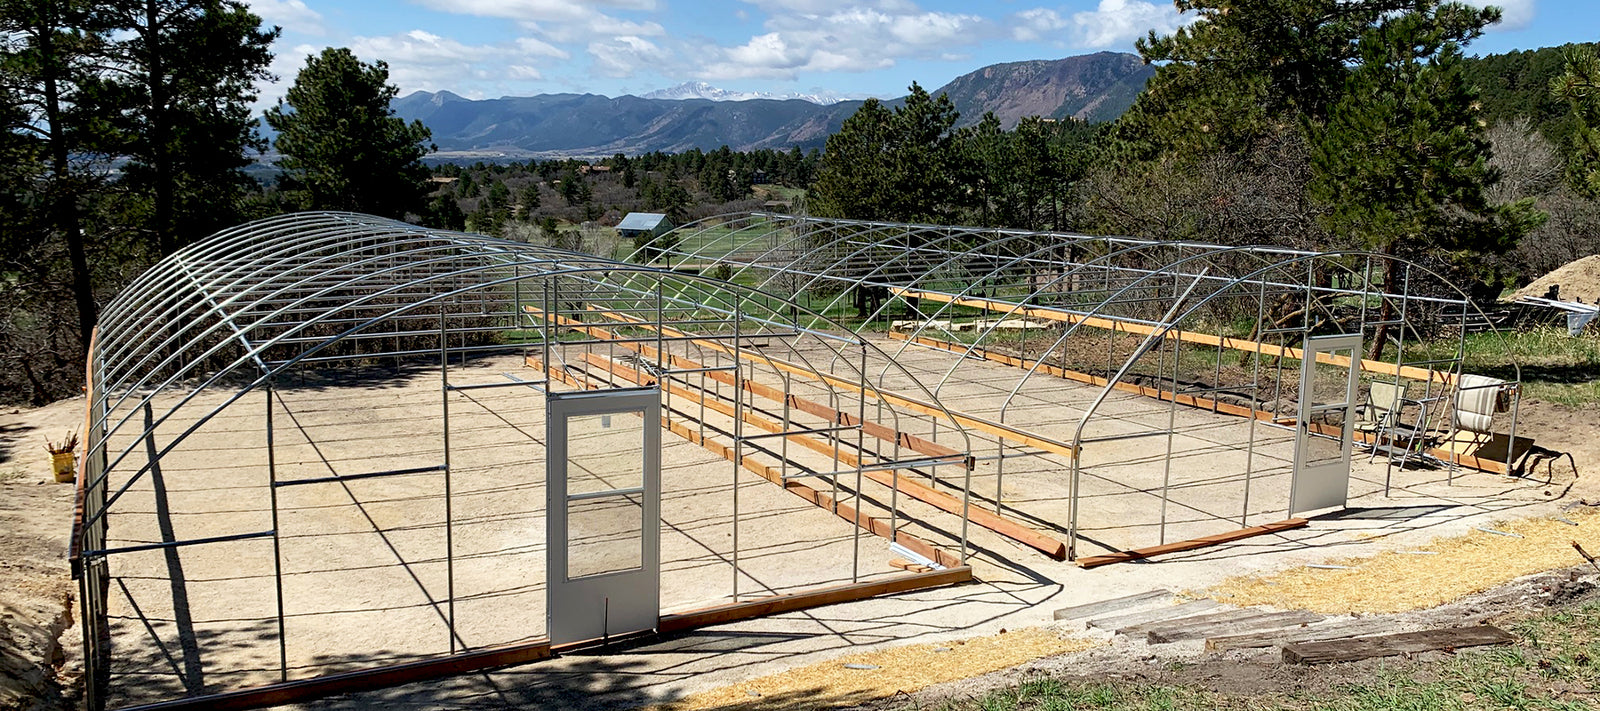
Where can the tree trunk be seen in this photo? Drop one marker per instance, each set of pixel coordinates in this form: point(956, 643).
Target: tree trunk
point(64, 193)
point(1386, 312)
point(160, 151)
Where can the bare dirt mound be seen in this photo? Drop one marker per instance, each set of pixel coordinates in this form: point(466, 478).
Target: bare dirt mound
point(1579, 280)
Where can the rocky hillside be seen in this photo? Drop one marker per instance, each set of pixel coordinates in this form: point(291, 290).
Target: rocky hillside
point(1092, 87)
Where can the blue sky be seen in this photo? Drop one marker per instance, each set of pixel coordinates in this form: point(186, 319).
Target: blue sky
point(491, 48)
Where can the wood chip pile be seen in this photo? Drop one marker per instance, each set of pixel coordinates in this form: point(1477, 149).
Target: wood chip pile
point(1412, 579)
point(858, 678)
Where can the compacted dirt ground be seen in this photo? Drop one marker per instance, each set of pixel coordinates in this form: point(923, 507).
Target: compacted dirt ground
point(39, 640)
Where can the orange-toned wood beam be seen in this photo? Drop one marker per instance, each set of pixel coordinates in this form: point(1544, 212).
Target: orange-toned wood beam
point(871, 524)
point(1241, 344)
point(939, 499)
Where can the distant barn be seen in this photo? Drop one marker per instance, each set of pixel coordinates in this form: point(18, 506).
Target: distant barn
point(645, 228)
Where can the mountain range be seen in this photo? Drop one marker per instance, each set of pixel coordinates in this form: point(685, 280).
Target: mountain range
point(1093, 87)
point(702, 90)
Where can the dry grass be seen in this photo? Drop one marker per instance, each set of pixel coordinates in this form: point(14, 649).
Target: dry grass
point(899, 669)
point(1398, 582)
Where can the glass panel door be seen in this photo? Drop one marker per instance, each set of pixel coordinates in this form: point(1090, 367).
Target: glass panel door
point(1328, 376)
point(604, 497)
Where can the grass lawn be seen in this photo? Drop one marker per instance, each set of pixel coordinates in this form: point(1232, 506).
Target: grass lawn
point(1554, 665)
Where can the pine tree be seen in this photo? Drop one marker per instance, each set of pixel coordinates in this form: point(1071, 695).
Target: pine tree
point(1402, 162)
point(190, 69)
point(342, 146)
point(1579, 85)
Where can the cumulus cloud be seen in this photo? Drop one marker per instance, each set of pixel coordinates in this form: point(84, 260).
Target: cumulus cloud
point(1515, 14)
point(621, 57)
point(821, 36)
point(292, 15)
point(1119, 22)
point(1037, 24)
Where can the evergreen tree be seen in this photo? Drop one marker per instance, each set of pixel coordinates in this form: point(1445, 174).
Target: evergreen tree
point(1579, 85)
point(190, 69)
point(50, 59)
point(530, 201)
point(1402, 162)
point(902, 165)
point(343, 148)
point(853, 180)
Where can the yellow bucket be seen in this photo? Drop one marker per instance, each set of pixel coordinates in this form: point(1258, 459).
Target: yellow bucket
point(63, 463)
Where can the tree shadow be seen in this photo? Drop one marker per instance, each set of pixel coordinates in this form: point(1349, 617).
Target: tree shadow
point(13, 435)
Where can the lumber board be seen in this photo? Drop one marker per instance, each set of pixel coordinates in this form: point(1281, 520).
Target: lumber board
point(814, 598)
point(1240, 344)
point(939, 499)
point(303, 690)
point(996, 429)
point(1263, 621)
point(1326, 630)
point(318, 687)
point(871, 524)
point(1443, 453)
point(1388, 645)
point(1222, 613)
point(1191, 544)
point(1115, 604)
point(75, 546)
point(906, 439)
point(1170, 612)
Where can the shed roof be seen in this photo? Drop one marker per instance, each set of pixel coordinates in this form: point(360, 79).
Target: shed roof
point(644, 221)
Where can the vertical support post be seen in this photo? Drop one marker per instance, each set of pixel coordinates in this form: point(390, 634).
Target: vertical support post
point(738, 431)
point(1255, 392)
point(449, 534)
point(277, 541)
point(861, 417)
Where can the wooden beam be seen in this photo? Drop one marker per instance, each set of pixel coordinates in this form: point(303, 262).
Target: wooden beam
point(1493, 466)
point(814, 598)
point(1111, 324)
point(75, 546)
point(1388, 645)
point(996, 429)
point(873, 525)
point(507, 655)
point(360, 680)
point(939, 499)
point(1191, 544)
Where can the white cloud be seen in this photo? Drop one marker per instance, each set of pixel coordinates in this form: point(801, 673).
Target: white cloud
point(291, 15)
point(824, 36)
point(1037, 24)
point(623, 56)
point(1119, 22)
point(1514, 14)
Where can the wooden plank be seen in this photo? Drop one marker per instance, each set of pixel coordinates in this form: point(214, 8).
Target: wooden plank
point(1222, 614)
point(493, 657)
point(1329, 630)
point(1264, 621)
point(360, 680)
point(906, 439)
point(1444, 453)
point(813, 598)
point(1170, 612)
point(75, 546)
point(1115, 604)
point(1240, 344)
point(876, 526)
point(1191, 544)
point(939, 499)
point(997, 429)
point(1388, 645)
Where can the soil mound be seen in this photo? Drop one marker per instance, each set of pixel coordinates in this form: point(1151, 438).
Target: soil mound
point(1578, 280)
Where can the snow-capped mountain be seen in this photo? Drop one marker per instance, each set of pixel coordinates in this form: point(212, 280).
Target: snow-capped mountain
point(702, 90)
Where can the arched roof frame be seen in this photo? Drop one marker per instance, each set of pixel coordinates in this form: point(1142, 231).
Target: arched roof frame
point(257, 263)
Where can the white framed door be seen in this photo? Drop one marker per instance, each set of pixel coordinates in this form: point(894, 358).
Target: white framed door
point(603, 513)
point(1326, 422)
